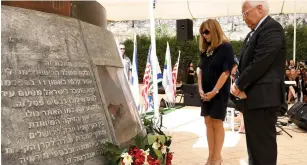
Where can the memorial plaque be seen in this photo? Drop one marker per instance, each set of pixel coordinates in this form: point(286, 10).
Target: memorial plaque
point(53, 110)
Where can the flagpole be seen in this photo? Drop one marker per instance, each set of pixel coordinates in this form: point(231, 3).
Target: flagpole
point(294, 34)
point(175, 83)
point(153, 55)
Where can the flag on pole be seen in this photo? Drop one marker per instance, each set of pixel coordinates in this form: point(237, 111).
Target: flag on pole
point(134, 77)
point(159, 73)
point(147, 83)
point(147, 90)
point(174, 74)
point(167, 76)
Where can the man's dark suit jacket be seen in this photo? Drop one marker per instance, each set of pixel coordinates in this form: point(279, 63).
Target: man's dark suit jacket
point(262, 66)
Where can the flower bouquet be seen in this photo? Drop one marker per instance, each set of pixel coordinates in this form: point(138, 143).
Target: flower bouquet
point(152, 149)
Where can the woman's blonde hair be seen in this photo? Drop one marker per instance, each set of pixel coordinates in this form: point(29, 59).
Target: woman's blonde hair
point(217, 35)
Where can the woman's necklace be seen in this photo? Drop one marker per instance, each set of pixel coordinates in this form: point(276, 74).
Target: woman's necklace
point(209, 53)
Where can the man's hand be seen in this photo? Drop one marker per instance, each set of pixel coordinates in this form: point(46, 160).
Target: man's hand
point(234, 90)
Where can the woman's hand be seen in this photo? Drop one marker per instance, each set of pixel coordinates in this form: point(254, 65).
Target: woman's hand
point(209, 95)
point(202, 94)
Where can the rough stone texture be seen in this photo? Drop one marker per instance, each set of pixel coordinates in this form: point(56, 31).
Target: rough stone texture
point(54, 108)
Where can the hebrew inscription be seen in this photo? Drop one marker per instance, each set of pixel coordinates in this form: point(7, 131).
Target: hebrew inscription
point(53, 107)
point(54, 112)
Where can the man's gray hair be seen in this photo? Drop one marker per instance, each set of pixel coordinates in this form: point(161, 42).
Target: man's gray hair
point(263, 3)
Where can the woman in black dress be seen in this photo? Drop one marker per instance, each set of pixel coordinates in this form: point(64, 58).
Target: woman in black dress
point(190, 73)
point(216, 61)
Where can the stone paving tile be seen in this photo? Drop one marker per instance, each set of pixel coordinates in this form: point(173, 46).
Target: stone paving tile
point(190, 145)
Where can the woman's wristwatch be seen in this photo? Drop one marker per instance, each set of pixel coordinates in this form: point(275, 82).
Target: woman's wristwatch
point(216, 90)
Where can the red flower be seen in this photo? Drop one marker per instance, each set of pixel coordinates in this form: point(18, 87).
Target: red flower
point(139, 161)
point(136, 149)
point(169, 158)
point(137, 152)
point(131, 152)
point(139, 158)
point(150, 160)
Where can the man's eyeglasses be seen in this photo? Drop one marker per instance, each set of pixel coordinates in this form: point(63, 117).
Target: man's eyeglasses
point(206, 32)
point(122, 48)
point(245, 14)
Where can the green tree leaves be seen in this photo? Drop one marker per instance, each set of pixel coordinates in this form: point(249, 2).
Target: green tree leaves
point(190, 52)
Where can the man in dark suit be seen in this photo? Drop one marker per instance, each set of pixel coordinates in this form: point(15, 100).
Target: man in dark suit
point(261, 69)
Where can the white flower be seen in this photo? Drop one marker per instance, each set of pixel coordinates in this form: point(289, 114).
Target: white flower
point(146, 153)
point(156, 145)
point(163, 149)
point(127, 158)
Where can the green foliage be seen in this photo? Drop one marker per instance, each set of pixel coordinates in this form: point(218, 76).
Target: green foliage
point(152, 138)
point(236, 46)
point(190, 52)
point(148, 124)
point(301, 42)
point(112, 153)
point(140, 141)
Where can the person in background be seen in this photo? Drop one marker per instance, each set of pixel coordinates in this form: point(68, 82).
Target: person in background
point(287, 73)
point(298, 73)
point(126, 60)
point(292, 89)
point(233, 77)
point(234, 74)
point(291, 64)
point(190, 73)
point(301, 65)
point(304, 87)
point(216, 61)
point(286, 77)
point(299, 86)
point(303, 71)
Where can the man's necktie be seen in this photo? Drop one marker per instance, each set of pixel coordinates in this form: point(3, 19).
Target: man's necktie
point(250, 35)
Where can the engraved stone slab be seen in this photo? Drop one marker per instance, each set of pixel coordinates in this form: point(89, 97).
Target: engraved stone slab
point(53, 111)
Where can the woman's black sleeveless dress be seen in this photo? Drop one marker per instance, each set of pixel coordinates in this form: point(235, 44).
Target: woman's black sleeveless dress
point(212, 67)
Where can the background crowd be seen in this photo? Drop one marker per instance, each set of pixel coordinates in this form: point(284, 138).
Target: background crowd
point(296, 73)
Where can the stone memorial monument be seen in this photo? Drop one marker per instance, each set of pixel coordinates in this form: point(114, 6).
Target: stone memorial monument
point(63, 90)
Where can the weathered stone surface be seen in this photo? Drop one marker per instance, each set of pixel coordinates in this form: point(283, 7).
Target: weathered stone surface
point(54, 110)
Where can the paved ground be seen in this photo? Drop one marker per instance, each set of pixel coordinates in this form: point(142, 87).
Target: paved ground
point(190, 145)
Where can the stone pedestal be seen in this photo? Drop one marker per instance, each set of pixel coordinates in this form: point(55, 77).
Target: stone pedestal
point(63, 90)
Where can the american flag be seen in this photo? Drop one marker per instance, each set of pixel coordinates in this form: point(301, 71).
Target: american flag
point(174, 75)
point(147, 82)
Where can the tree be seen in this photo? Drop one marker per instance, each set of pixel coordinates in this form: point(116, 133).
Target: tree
point(301, 42)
